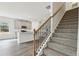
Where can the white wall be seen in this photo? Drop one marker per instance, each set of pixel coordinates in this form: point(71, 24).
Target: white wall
point(42, 20)
point(78, 36)
point(19, 23)
point(78, 39)
point(10, 34)
point(71, 5)
point(68, 5)
point(35, 25)
point(56, 19)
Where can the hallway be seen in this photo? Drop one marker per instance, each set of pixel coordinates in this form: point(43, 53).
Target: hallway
point(11, 48)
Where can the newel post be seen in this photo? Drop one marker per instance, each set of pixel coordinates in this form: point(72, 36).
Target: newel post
point(34, 42)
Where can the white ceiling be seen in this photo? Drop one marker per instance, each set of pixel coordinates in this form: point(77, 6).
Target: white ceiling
point(24, 10)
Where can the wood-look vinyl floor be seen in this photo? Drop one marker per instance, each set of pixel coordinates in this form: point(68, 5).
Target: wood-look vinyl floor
point(11, 48)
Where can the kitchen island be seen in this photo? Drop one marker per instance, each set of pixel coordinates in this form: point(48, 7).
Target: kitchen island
point(24, 36)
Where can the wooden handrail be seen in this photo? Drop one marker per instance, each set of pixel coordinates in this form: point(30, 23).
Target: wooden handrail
point(49, 18)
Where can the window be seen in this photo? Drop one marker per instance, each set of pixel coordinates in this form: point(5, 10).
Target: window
point(4, 27)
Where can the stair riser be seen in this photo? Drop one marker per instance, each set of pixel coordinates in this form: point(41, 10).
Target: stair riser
point(68, 26)
point(70, 36)
point(66, 31)
point(69, 20)
point(69, 23)
point(72, 13)
point(69, 15)
point(49, 52)
point(68, 42)
point(64, 49)
point(74, 25)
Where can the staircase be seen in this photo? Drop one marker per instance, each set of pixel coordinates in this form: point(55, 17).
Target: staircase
point(64, 39)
